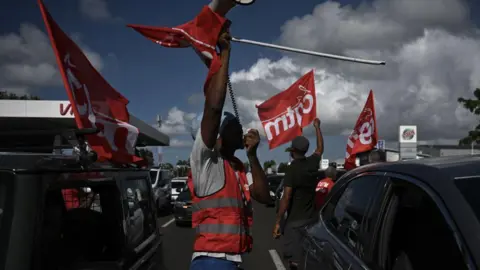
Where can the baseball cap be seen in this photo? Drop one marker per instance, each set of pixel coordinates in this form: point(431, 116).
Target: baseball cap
point(299, 144)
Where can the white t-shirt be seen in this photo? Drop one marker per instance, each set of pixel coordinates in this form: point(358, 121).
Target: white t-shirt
point(208, 175)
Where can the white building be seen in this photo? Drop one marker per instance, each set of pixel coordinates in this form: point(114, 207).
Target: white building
point(48, 115)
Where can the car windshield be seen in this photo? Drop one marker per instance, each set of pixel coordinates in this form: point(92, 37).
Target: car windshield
point(153, 176)
point(178, 184)
point(469, 187)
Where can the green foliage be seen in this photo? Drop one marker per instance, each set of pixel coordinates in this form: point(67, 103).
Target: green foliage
point(166, 166)
point(183, 162)
point(147, 155)
point(7, 95)
point(269, 164)
point(473, 105)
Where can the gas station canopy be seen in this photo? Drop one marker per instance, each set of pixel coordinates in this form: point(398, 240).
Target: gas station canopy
point(44, 115)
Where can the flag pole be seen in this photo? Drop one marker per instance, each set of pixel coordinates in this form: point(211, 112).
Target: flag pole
point(325, 55)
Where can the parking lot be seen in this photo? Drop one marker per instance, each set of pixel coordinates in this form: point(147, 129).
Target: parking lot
point(266, 254)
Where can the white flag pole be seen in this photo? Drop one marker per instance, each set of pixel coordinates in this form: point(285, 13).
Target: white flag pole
point(326, 55)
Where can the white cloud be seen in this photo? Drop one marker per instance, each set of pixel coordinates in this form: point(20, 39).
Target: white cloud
point(181, 143)
point(27, 60)
point(97, 10)
point(177, 123)
point(432, 51)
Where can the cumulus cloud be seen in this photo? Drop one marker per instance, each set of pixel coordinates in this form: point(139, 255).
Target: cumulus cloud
point(181, 143)
point(178, 122)
point(27, 60)
point(432, 50)
point(97, 10)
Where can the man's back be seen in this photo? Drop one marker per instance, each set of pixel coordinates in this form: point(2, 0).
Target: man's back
point(301, 176)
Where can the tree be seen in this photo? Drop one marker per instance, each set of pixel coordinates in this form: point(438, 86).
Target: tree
point(167, 166)
point(282, 167)
point(181, 162)
point(473, 105)
point(269, 164)
point(8, 95)
point(147, 155)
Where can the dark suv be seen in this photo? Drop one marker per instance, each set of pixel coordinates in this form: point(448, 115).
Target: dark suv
point(58, 213)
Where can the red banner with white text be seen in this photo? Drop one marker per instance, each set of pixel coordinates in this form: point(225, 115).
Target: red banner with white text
point(364, 136)
point(284, 115)
point(95, 103)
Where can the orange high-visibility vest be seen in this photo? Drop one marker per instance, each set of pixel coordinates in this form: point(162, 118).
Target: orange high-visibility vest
point(223, 220)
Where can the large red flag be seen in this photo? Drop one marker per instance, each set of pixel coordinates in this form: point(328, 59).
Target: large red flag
point(284, 115)
point(364, 136)
point(95, 103)
point(201, 34)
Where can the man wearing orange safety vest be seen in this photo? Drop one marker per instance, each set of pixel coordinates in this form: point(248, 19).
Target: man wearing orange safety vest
point(324, 186)
point(221, 194)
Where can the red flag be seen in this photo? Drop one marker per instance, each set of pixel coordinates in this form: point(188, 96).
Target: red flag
point(364, 136)
point(95, 103)
point(201, 33)
point(284, 115)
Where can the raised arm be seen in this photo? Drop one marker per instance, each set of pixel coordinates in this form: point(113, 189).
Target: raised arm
point(318, 132)
point(259, 188)
point(216, 92)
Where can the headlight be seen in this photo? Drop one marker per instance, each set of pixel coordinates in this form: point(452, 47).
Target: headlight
point(272, 194)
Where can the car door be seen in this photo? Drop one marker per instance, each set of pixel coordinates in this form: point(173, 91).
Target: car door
point(346, 224)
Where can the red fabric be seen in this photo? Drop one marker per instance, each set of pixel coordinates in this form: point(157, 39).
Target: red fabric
point(322, 190)
point(95, 103)
point(70, 196)
point(364, 136)
point(224, 243)
point(284, 115)
point(201, 34)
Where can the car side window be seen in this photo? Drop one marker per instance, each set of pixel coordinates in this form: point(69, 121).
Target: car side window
point(140, 214)
point(419, 225)
point(352, 212)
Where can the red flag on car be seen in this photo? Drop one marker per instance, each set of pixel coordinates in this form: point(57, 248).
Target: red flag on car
point(95, 103)
point(284, 115)
point(201, 34)
point(364, 136)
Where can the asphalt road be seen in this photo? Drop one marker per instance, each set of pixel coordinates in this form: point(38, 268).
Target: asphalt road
point(266, 254)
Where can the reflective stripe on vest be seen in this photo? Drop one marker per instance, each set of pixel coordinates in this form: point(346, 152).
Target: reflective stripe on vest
point(220, 229)
point(217, 203)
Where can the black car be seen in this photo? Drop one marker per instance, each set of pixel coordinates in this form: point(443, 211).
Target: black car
point(422, 214)
point(182, 210)
point(68, 212)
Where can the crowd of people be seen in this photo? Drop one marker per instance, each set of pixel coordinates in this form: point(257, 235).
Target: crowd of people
point(222, 192)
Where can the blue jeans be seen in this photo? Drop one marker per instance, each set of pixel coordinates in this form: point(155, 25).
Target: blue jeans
point(210, 263)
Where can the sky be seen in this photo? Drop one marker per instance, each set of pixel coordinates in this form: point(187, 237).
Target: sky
point(432, 50)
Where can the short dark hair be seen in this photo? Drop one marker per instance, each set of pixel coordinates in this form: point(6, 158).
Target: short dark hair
point(377, 155)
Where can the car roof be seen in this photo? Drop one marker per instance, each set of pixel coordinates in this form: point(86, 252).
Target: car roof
point(23, 162)
point(452, 166)
point(179, 179)
point(440, 174)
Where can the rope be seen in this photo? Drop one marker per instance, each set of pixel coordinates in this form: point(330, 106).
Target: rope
point(234, 102)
